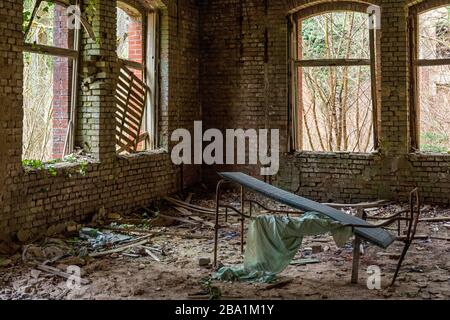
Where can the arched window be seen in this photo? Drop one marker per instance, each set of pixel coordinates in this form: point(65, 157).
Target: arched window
point(334, 88)
point(430, 100)
point(136, 93)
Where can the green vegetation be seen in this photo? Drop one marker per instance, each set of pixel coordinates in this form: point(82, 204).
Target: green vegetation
point(214, 292)
point(45, 8)
point(50, 166)
point(434, 142)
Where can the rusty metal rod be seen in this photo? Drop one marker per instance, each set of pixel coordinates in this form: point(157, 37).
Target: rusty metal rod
point(216, 226)
point(242, 218)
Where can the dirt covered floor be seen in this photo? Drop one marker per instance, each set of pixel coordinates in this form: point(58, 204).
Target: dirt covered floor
point(163, 252)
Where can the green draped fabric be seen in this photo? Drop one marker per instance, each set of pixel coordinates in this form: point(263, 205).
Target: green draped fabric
point(273, 241)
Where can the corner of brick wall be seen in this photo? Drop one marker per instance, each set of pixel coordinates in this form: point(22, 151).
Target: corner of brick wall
point(244, 84)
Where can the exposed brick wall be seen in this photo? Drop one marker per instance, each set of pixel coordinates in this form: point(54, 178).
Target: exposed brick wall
point(223, 62)
point(243, 77)
point(244, 85)
point(35, 200)
point(11, 99)
point(184, 74)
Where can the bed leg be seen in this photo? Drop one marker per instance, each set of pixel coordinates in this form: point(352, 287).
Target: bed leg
point(357, 250)
point(217, 226)
point(356, 256)
point(412, 227)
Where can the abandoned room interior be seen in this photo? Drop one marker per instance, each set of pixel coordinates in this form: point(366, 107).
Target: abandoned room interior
point(96, 95)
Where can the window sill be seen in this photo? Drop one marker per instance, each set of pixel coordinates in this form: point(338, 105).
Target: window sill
point(428, 155)
point(338, 154)
point(143, 154)
point(55, 169)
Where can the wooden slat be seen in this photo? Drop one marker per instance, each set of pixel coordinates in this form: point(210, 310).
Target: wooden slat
point(137, 83)
point(125, 147)
point(123, 89)
point(131, 105)
point(127, 96)
point(130, 120)
point(126, 110)
point(132, 64)
point(135, 100)
point(129, 142)
point(414, 114)
point(125, 102)
point(52, 51)
point(143, 137)
point(373, 86)
point(127, 113)
point(130, 97)
point(127, 128)
point(131, 127)
point(125, 136)
point(433, 62)
point(141, 89)
point(139, 96)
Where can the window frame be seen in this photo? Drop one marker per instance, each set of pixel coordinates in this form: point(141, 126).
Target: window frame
point(295, 62)
point(149, 68)
point(415, 64)
point(73, 55)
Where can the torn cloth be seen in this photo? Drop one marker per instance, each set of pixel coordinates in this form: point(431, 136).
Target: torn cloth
point(273, 241)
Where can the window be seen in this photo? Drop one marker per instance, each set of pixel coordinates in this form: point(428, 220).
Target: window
point(50, 77)
point(136, 88)
point(431, 77)
point(333, 89)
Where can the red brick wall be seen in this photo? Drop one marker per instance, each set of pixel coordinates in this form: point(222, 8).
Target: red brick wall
point(135, 53)
point(135, 44)
point(61, 84)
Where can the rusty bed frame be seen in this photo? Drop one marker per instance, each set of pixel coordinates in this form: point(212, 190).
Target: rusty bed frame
point(411, 219)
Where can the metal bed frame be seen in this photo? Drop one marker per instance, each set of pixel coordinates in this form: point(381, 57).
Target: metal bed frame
point(411, 219)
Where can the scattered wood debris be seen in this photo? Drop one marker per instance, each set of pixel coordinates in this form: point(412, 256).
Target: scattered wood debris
point(169, 257)
point(141, 242)
point(60, 273)
point(278, 284)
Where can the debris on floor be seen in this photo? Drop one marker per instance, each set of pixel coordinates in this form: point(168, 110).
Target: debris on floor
point(165, 250)
point(97, 239)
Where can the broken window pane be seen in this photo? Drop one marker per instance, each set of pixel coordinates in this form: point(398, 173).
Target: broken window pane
point(434, 81)
point(46, 93)
point(129, 34)
point(337, 109)
point(130, 111)
point(434, 34)
point(50, 25)
point(134, 113)
point(434, 99)
point(335, 35)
